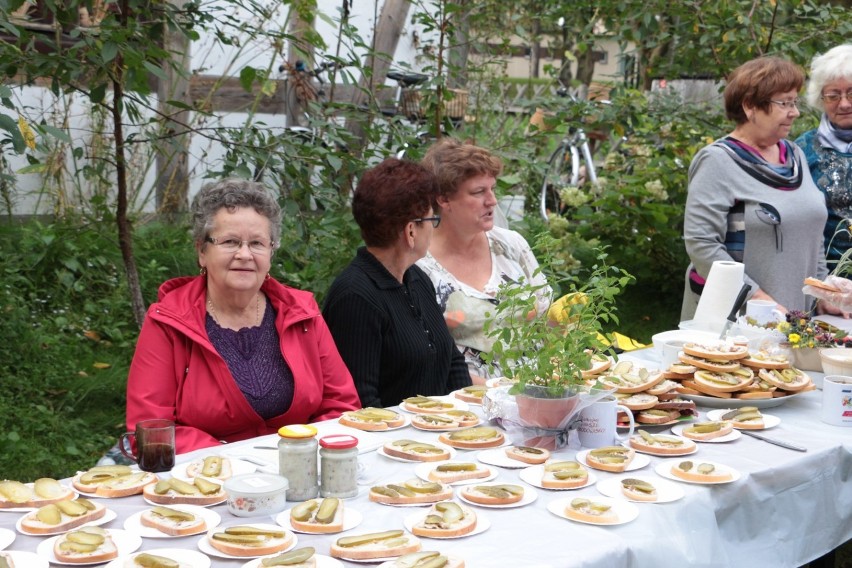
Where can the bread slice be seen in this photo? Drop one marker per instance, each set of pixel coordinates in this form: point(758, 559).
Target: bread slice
point(639, 401)
point(176, 491)
point(661, 444)
point(318, 516)
point(416, 559)
point(717, 351)
point(385, 544)
point(43, 491)
point(700, 472)
point(112, 481)
point(473, 393)
point(657, 415)
point(453, 472)
point(817, 283)
point(87, 545)
point(724, 382)
point(213, 467)
point(447, 519)
point(528, 454)
point(638, 489)
point(493, 494)
point(250, 540)
point(7, 558)
point(745, 418)
point(436, 422)
point(411, 492)
point(478, 437)
point(589, 511)
point(413, 450)
point(791, 380)
point(173, 521)
point(426, 404)
point(61, 516)
point(706, 431)
point(719, 366)
point(610, 458)
point(564, 475)
point(372, 419)
point(627, 378)
point(303, 557)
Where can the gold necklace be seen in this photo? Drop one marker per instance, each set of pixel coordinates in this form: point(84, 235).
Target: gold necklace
point(256, 311)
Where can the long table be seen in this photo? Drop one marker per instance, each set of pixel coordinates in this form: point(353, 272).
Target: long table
point(787, 508)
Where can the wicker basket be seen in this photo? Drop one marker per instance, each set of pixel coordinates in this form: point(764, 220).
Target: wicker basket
point(456, 107)
point(412, 103)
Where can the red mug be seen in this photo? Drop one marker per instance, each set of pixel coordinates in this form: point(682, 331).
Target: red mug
point(155, 444)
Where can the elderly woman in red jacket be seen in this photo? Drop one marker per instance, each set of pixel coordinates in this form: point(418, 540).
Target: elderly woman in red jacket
point(232, 353)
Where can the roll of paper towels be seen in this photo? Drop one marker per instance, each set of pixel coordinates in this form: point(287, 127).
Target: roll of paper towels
point(720, 291)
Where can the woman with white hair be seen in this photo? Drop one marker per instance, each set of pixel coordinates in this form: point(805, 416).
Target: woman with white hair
point(828, 148)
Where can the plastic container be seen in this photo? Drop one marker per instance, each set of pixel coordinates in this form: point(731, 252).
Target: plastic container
point(297, 460)
point(339, 466)
point(256, 494)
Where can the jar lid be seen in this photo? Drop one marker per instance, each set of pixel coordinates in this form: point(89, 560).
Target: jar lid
point(338, 441)
point(256, 484)
point(297, 431)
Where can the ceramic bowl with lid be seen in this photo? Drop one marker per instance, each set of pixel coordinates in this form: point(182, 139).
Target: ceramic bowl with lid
point(256, 494)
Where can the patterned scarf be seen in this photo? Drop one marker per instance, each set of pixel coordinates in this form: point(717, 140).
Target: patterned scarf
point(787, 176)
point(830, 136)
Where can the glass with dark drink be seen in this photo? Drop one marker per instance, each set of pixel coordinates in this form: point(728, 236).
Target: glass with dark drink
point(155, 445)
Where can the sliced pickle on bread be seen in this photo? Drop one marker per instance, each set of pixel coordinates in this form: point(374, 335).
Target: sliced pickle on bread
point(528, 454)
point(610, 458)
point(564, 474)
point(61, 516)
point(318, 516)
point(410, 492)
point(493, 494)
point(638, 489)
point(372, 419)
point(473, 438)
point(384, 544)
point(701, 472)
point(446, 519)
point(790, 380)
point(413, 450)
point(199, 491)
point(454, 472)
point(661, 444)
point(250, 540)
point(591, 511)
point(706, 431)
point(745, 418)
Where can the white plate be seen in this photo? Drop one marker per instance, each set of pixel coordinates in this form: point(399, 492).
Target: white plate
point(322, 562)
point(436, 430)
point(27, 509)
point(665, 469)
point(639, 461)
point(109, 515)
point(716, 402)
point(406, 420)
point(126, 542)
point(238, 467)
point(457, 404)
point(381, 452)
point(133, 523)
point(191, 557)
point(207, 548)
point(730, 437)
point(28, 559)
point(482, 525)
point(7, 537)
point(498, 457)
point(694, 449)
point(351, 519)
point(666, 490)
point(422, 471)
point(530, 495)
point(769, 420)
point(625, 510)
point(533, 475)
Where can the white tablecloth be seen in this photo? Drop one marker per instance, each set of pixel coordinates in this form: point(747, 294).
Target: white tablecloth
point(786, 509)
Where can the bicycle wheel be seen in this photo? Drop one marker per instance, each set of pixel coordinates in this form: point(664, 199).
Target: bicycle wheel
point(559, 174)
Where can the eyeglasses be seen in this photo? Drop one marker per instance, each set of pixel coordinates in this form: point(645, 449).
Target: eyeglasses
point(787, 105)
point(835, 96)
point(436, 220)
point(230, 244)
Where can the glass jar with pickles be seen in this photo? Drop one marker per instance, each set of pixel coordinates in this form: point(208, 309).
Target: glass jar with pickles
point(339, 466)
point(297, 460)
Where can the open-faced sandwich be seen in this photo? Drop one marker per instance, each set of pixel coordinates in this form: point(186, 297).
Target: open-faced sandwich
point(172, 521)
point(453, 472)
point(250, 540)
point(625, 377)
point(598, 364)
point(61, 516)
point(148, 560)
point(638, 489)
point(639, 401)
point(427, 559)
point(706, 431)
point(721, 351)
point(661, 444)
point(174, 491)
point(700, 472)
point(587, 510)
point(610, 458)
point(493, 494)
point(318, 516)
point(304, 557)
point(450, 420)
point(110, 481)
point(766, 360)
point(745, 418)
point(791, 380)
point(564, 475)
point(372, 419)
point(44, 491)
point(385, 544)
point(472, 393)
point(445, 520)
point(528, 454)
point(413, 450)
point(215, 467)
point(427, 404)
point(478, 437)
point(86, 545)
point(410, 492)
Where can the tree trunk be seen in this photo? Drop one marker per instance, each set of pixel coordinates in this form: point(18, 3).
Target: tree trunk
point(459, 50)
point(585, 72)
point(298, 49)
point(535, 49)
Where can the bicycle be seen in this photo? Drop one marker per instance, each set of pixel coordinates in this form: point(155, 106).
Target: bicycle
point(564, 168)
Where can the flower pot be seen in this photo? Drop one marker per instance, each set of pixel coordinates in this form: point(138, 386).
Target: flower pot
point(543, 412)
point(807, 359)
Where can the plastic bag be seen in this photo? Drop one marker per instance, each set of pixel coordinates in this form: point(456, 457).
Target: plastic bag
point(840, 296)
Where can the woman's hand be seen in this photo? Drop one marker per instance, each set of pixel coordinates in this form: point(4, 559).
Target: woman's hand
point(823, 307)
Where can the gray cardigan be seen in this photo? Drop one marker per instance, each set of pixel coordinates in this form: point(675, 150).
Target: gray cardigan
point(775, 265)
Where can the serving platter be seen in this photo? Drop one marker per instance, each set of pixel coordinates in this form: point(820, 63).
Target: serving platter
point(731, 403)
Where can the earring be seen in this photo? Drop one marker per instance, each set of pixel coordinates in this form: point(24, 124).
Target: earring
point(203, 271)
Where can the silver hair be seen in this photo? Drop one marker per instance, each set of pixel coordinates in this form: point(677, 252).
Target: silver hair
point(232, 193)
point(836, 63)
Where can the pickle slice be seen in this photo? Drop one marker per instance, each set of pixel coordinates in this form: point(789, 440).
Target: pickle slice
point(183, 487)
point(173, 514)
point(48, 488)
point(638, 485)
point(15, 491)
point(476, 433)
point(206, 487)
point(327, 510)
point(248, 530)
point(212, 466)
point(154, 561)
point(421, 486)
point(85, 538)
point(49, 515)
point(303, 511)
point(297, 556)
point(72, 508)
point(456, 467)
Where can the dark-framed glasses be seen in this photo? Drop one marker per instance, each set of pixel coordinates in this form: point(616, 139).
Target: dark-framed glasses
point(231, 244)
point(787, 105)
point(835, 96)
point(435, 219)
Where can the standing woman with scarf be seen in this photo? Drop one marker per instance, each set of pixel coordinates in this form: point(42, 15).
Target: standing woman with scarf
point(828, 148)
point(751, 198)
